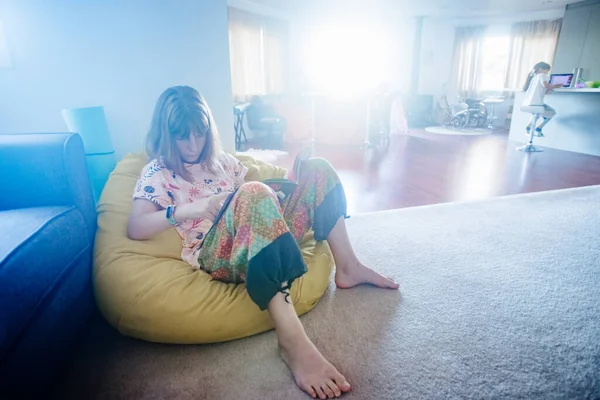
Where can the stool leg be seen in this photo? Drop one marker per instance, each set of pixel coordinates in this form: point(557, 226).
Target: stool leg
point(492, 116)
point(313, 122)
point(368, 144)
point(243, 134)
point(236, 129)
point(242, 130)
point(529, 147)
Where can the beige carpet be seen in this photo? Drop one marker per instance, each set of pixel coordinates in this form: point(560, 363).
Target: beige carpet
point(499, 299)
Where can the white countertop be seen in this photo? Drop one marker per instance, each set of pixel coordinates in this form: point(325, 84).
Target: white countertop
point(575, 90)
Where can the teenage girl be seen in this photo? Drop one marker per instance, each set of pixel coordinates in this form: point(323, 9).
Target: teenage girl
point(536, 87)
point(188, 184)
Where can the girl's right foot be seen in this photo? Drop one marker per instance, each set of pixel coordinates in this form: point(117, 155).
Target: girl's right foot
point(537, 133)
point(312, 372)
point(354, 273)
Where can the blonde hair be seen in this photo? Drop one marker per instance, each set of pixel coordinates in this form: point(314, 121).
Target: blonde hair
point(179, 112)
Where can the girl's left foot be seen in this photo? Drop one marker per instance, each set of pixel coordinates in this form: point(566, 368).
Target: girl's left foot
point(356, 273)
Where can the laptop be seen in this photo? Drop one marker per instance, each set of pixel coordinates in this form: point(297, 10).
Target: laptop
point(563, 79)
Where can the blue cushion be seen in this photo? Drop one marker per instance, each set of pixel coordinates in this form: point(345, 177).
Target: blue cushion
point(46, 170)
point(38, 248)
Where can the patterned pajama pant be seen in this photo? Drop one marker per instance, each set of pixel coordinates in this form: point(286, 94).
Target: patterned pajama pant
point(256, 239)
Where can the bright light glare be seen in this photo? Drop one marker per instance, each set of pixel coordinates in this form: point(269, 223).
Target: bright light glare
point(347, 60)
point(479, 171)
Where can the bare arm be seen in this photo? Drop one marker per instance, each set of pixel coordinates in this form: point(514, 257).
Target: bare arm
point(547, 85)
point(148, 219)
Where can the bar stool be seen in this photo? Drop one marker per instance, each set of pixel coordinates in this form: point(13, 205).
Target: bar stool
point(491, 102)
point(536, 112)
point(239, 110)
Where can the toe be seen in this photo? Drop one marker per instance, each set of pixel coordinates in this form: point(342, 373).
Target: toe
point(327, 391)
point(334, 388)
point(311, 392)
point(391, 284)
point(342, 383)
point(320, 392)
point(385, 282)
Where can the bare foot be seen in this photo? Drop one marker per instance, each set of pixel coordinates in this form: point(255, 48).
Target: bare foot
point(312, 372)
point(355, 273)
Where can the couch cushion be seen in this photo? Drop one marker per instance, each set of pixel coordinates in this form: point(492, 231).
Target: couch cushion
point(33, 255)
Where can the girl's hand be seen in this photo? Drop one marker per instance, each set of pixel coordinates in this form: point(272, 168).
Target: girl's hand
point(207, 208)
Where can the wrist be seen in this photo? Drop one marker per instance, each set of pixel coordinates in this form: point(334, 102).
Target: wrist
point(182, 213)
point(170, 214)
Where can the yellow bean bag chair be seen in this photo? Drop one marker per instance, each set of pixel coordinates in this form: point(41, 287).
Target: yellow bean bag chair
point(145, 290)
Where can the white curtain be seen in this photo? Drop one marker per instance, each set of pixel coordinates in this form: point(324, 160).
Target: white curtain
point(468, 58)
point(257, 51)
point(530, 43)
point(275, 59)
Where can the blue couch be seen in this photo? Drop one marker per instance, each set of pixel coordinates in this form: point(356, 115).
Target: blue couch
point(48, 222)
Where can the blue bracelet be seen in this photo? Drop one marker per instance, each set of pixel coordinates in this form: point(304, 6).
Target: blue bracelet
point(171, 214)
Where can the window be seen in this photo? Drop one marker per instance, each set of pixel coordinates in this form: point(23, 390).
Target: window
point(499, 57)
point(494, 62)
point(257, 52)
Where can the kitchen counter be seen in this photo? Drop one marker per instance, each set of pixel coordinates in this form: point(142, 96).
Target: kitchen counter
point(574, 90)
point(576, 126)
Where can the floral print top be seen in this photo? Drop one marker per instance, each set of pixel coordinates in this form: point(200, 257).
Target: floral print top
point(163, 187)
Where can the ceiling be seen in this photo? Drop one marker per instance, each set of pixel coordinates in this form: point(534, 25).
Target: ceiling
point(438, 8)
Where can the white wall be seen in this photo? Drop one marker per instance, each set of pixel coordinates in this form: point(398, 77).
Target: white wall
point(437, 48)
point(510, 18)
point(117, 54)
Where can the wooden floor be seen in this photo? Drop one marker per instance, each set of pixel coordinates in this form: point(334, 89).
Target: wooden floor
point(422, 168)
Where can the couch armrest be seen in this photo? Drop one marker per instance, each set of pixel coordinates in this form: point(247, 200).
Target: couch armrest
point(46, 169)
